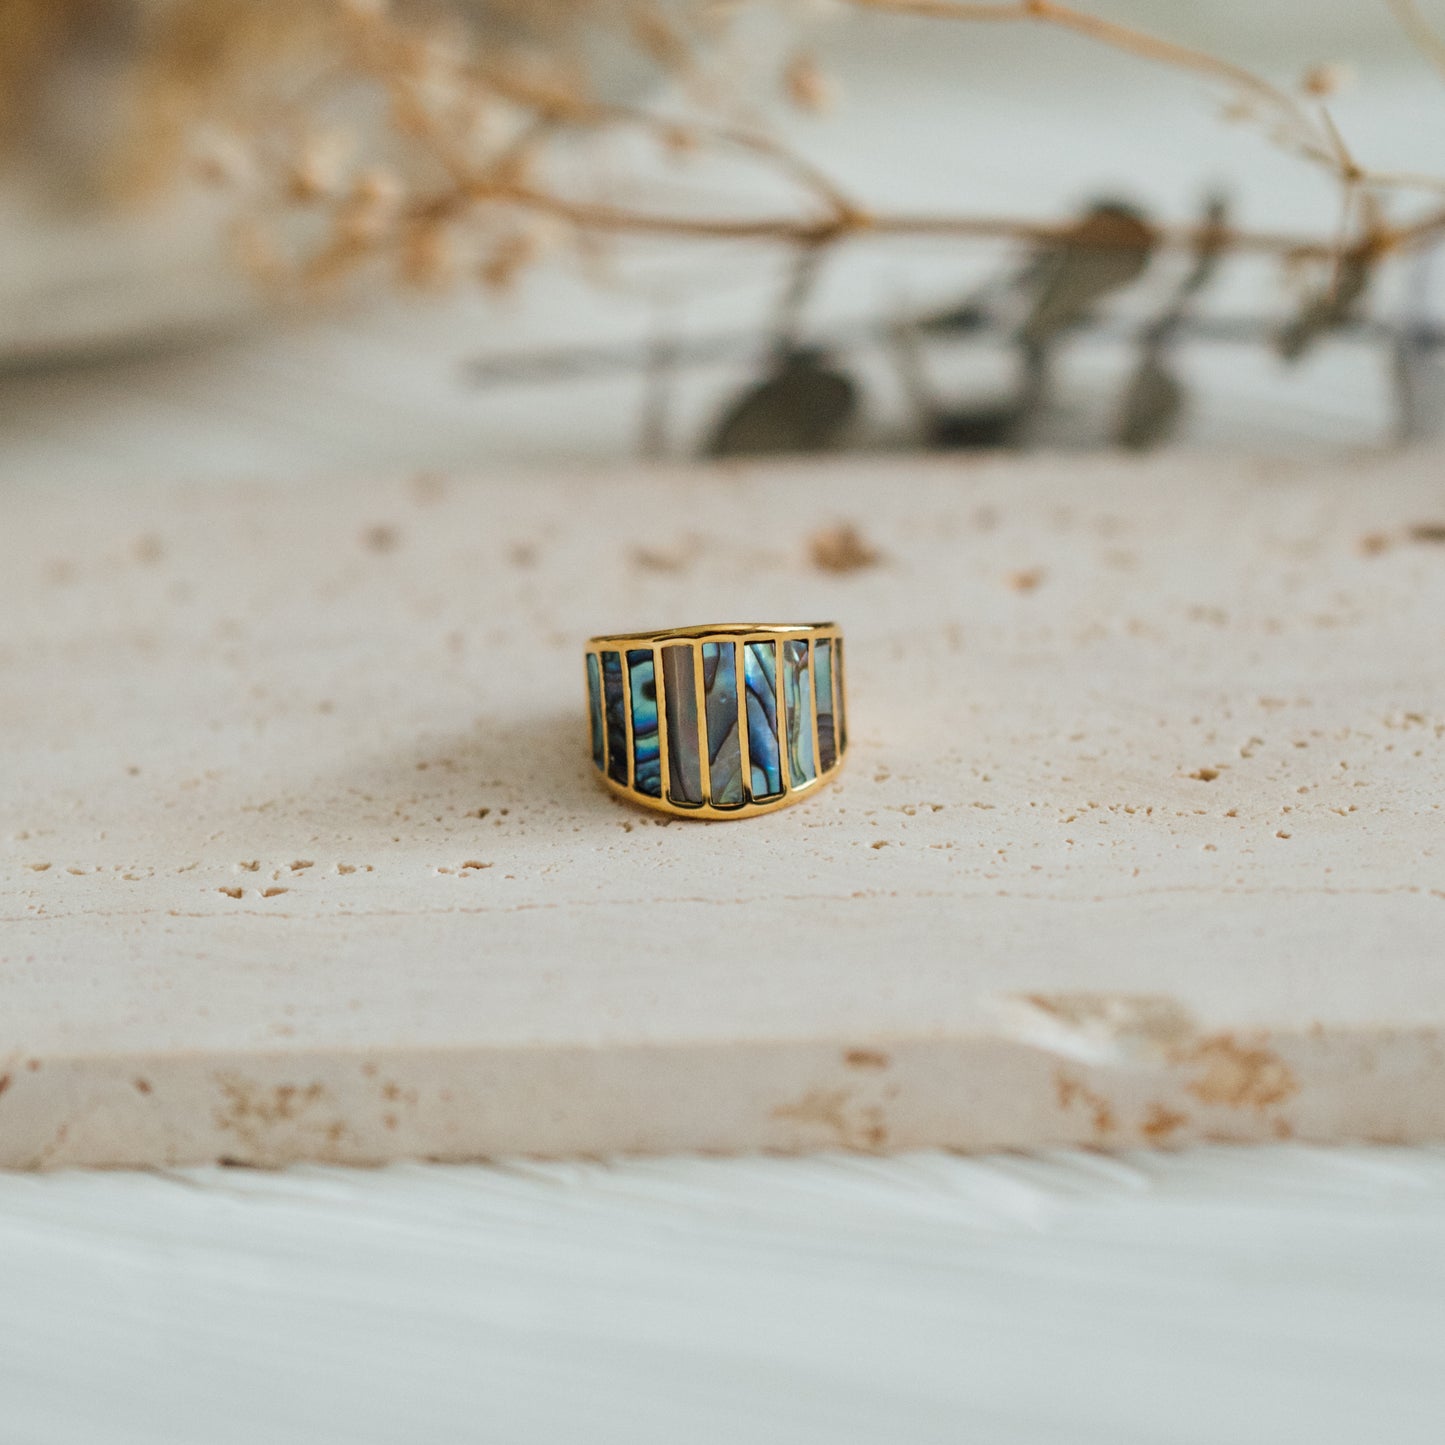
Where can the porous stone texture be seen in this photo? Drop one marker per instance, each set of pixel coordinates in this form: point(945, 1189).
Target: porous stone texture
point(302, 854)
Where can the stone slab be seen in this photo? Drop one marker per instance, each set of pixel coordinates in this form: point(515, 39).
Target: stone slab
point(1139, 839)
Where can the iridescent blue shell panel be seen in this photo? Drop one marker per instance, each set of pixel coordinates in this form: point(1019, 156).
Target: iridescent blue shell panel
point(615, 709)
point(823, 695)
point(760, 673)
point(684, 746)
point(594, 704)
point(842, 721)
point(798, 712)
point(646, 757)
point(720, 702)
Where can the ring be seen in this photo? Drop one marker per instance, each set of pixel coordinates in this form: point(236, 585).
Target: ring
point(672, 729)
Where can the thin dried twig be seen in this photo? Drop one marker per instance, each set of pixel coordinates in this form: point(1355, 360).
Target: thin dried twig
point(594, 115)
point(1294, 126)
point(1426, 39)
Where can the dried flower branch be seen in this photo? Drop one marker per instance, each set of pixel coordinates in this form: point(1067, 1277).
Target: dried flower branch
point(551, 105)
point(453, 168)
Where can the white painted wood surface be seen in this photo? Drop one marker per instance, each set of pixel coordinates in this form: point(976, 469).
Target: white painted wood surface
point(1260, 1296)
point(1139, 839)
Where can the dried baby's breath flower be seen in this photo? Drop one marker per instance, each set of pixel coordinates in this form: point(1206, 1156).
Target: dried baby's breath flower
point(1320, 82)
point(370, 209)
point(715, 17)
point(221, 157)
point(479, 121)
point(408, 113)
point(320, 164)
point(334, 262)
point(659, 37)
point(680, 140)
point(256, 250)
point(35, 33)
point(507, 259)
point(428, 258)
point(807, 86)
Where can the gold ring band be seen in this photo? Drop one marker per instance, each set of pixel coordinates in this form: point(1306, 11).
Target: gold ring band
point(672, 729)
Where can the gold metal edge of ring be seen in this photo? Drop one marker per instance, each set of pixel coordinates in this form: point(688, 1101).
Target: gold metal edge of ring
point(740, 633)
point(707, 813)
point(710, 632)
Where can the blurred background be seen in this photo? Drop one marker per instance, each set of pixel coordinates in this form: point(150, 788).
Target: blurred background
point(241, 238)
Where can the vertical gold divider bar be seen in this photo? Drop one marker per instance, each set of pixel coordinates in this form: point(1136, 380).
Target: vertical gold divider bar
point(740, 687)
point(627, 714)
point(660, 702)
point(780, 688)
point(704, 757)
point(813, 702)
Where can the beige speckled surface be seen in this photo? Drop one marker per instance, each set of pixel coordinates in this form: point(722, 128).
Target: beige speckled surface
point(1140, 836)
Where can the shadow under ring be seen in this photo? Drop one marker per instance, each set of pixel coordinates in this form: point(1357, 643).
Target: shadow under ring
point(718, 721)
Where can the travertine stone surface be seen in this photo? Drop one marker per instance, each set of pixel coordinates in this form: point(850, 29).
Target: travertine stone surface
point(1141, 835)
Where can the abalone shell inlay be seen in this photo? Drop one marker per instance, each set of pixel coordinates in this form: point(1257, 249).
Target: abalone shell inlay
point(616, 712)
point(594, 703)
point(760, 673)
point(646, 759)
point(842, 720)
point(720, 702)
point(823, 693)
point(798, 712)
point(684, 760)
